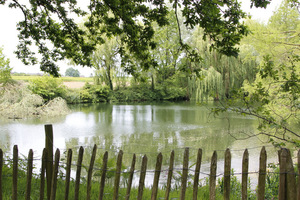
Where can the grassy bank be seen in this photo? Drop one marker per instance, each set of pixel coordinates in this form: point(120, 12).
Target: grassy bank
point(64, 79)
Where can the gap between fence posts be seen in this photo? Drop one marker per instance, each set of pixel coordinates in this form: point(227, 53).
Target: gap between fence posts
point(49, 165)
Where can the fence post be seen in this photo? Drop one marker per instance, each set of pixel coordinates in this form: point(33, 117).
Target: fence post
point(130, 177)
point(102, 181)
point(245, 168)
point(78, 171)
point(282, 176)
point(197, 173)
point(90, 173)
point(15, 173)
point(290, 178)
point(49, 165)
point(170, 174)
point(118, 175)
point(262, 174)
point(54, 175)
point(142, 178)
point(184, 173)
point(213, 176)
point(68, 173)
point(156, 176)
point(43, 169)
point(227, 169)
point(29, 174)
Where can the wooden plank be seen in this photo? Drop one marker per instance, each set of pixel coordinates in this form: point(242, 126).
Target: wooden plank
point(43, 170)
point(118, 175)
point(78, 171)
point(142, 178)
point(227, 169)
point(282, 177)
point(170, 174)
point(213, 176)
point(90, 173)
point(262, 174)
point(245, 168)
point(298, 182)
point(197, 174)
point(290, 178)
point(54, 175)
point(1, 167)
point(29, 174)
point(15, 173)
point(102, 181)
point(156, 176)
point(68, 173)
point(185, 171)
point(49, 147)
point(131, 172)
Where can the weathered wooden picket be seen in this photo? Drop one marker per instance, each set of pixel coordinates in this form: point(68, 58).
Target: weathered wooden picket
point(288, 187)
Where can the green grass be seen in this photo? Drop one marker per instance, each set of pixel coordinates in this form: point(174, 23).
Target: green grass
point(65, 79)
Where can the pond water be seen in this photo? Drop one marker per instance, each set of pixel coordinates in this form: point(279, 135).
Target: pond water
point(142, 128)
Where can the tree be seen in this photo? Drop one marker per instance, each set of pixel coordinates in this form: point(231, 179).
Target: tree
point(274, 97)
point(72, 72)
point(104, 60)
point(50, 22)
point(5, 69)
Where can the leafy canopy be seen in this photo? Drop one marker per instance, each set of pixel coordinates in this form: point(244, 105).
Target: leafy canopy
point(5, 69)
point(72, 72)
point(50, 26)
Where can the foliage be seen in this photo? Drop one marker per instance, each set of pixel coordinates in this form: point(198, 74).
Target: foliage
point(47, 87)
point(5, 69)
point(17, 102)
point(51, 23)
point(94, 93)
point(273, 98)
point(104, 60)
point(72, 72)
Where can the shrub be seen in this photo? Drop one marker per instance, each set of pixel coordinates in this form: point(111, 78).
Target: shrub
point(47, 87)
point(5, 69)
point(94, 93)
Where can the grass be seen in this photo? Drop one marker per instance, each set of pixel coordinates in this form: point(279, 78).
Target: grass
point(65, 79)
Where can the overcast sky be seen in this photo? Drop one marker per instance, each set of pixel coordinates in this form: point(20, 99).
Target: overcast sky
point(9, 40)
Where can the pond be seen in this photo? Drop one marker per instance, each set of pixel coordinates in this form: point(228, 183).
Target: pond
point(143, 128)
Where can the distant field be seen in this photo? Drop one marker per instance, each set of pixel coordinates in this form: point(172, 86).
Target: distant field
point(65, 79)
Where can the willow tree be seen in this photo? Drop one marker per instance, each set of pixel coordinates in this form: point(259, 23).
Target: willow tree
point(273, 98)
point(105, 62)
point(228, 73)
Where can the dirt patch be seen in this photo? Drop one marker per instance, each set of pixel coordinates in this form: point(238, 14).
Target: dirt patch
point(74, 84)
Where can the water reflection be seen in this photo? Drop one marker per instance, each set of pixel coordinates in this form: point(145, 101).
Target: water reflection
point(141, 129)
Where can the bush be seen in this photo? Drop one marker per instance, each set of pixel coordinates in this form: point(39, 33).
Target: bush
point(5, 69)
point(47, 87)
point(94, 93)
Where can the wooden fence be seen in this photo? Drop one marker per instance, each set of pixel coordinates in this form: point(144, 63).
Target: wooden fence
point(288, 187)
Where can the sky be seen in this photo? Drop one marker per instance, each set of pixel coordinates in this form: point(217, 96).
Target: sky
point(9, 35)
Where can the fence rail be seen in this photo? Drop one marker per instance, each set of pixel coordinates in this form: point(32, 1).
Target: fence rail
point(289, 188)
